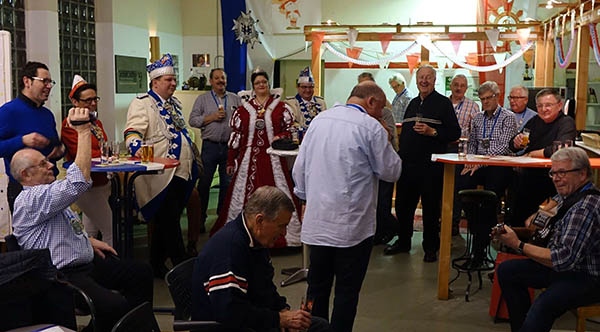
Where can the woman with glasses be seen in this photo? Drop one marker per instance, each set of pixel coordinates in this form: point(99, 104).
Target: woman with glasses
point(262, 119)
point(97, 215)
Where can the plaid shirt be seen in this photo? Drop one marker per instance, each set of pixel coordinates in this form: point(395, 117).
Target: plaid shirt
point(42, 219)
point(575, 244)
point(500, 128)
point(466, 110)
point(400, 104)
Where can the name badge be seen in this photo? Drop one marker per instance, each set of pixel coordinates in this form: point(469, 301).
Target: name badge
point(485, 143)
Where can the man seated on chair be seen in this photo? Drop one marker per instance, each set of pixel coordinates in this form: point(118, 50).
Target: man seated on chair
point(569, 265)
point(42, 219)
point(233, 275)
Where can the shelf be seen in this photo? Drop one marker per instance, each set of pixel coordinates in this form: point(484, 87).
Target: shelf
point(593, 104)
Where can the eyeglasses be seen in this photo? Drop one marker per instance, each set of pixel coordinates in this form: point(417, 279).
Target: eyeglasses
point(562, 174)
point(45, 81)
point(42, 164)
point(89, 100)
point(516, 97)
point(261, 82)
point(545, 105)
point(487, 98)
point(307, 87)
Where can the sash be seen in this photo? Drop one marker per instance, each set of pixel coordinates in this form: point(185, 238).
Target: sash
point(308, 109)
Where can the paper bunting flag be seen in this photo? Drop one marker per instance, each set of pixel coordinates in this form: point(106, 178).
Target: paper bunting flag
point(352, 35)
point(354, 53)
point(492, 35)
point(442, 62)
point(523, 36)
point(499, 57)
point(413, 60)
point(385, 39)
point(472, 59)
point(456, 39)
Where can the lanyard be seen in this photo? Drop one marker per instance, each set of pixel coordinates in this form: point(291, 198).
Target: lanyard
point(216, 102)
point(399, 95)
point(459, 106)
point(358, 107)
point(493, 126)
point(523, 116)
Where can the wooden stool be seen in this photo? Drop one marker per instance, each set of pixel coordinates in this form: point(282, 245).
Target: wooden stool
point(586, 312)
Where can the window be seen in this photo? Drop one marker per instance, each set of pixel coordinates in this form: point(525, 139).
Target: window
point(77, 33)
point(12, 19)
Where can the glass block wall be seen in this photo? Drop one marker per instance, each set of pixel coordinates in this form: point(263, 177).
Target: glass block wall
point(12, 19)
point(77, 33)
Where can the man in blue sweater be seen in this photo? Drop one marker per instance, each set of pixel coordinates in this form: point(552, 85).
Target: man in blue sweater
point(25, 122)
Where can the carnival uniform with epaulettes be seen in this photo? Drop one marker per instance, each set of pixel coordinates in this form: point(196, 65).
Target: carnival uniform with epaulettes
point(305, 111)
point(253, 128)
point(163, 125)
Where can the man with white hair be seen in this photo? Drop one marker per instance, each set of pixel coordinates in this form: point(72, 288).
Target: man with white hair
point(155, 118)
point(465, 108)
point(402, 98)
point(518, 97)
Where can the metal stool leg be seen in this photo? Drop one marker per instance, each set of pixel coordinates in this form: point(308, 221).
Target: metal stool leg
point(301, 274)
point(468, 286)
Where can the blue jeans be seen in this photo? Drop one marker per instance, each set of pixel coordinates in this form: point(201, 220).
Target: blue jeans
point(564, 291)
point(349, 266)
point(213, 155)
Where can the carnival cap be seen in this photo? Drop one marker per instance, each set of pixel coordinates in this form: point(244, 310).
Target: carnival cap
point(160, 67)
point(305, 76)
point(78, 82)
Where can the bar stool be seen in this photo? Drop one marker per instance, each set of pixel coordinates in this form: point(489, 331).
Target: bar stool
point(480, 207)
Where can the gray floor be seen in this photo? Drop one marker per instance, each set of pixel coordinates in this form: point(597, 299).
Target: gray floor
point(398, 294)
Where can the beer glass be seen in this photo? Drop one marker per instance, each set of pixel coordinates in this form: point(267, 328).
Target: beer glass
point(105, 152)
point(463, 147)
point(525, 137)
point(147, 152)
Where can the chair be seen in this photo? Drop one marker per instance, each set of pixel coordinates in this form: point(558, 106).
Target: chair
point(179, 281)
point(139, 319)
point(585, 312)
point(13, 245)
point(480, 209)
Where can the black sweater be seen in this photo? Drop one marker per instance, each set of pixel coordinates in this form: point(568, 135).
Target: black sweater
point(542, 134)
point(416, 148)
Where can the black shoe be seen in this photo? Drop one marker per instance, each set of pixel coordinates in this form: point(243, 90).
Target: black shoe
point(395, 248)
point(382, 239)
point(430, 256)
point(202, 228)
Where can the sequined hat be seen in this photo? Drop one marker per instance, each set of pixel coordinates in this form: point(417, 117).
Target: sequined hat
point(305, 76)
point(78, 82)
point(160, 67)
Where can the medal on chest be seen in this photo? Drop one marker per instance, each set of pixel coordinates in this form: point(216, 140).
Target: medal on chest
point(175, 117)
point(485, 143)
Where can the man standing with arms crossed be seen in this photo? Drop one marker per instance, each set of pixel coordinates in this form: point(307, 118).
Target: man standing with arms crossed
point(211, 113)
point(341, 197)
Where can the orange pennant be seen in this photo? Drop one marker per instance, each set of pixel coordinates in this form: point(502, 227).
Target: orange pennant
point(354, 53)
point(472, 59)
point(385, 39)
point(412, 60)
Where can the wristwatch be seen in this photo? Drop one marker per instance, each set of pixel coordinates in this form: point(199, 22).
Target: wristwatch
point(520, 249)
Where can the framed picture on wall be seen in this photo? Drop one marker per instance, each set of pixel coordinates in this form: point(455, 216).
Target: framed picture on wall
point(201, 60)
point(130, 74)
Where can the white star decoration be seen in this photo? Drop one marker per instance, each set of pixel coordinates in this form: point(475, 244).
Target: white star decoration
point(244, 28)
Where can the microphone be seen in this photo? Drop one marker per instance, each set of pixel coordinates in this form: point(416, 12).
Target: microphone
point(93, 117)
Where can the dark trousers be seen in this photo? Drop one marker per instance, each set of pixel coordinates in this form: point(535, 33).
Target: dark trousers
point(385, 220)
point(564, 290)
point(425, 181)
point(533, 188)
point(133, 280)
point(348, 266)
point(213, 155)
point(12, 191)
point(167, 240)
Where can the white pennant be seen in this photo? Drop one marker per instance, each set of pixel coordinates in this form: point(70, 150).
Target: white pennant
point(492, 35)
point(352, 34)
point(499, 57)
point(442, 61)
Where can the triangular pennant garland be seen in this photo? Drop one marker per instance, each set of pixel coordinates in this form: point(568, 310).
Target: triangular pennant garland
point(472, 59)
point(499, 57)
point(456, 39)
point(413, 60)
point(354, 53)
point(523, 36)
point(352, 35)
point(385, 39)
point(492, 35)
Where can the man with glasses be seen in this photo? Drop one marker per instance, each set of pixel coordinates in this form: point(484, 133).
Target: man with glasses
point(548, 126)
point(519, 95)
point(568, 265)
point(25, 122)
point(465, 108)
point(402, 98)
point(305, 105)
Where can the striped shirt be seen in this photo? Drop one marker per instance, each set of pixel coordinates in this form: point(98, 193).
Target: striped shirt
point(42, 219)
point(206, 104)
point(466, 110)
point(575, 244)
point(400, 104)
point(497, 129)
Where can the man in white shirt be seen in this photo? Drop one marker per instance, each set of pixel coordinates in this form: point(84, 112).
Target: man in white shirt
point(341, 197)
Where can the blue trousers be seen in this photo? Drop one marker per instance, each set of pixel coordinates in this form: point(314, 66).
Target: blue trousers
point(564, 291)
point(213, 155)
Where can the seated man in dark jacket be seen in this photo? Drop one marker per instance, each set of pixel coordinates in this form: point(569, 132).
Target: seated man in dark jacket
point(233, 275)
point(548, 126)
point(568, 266)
